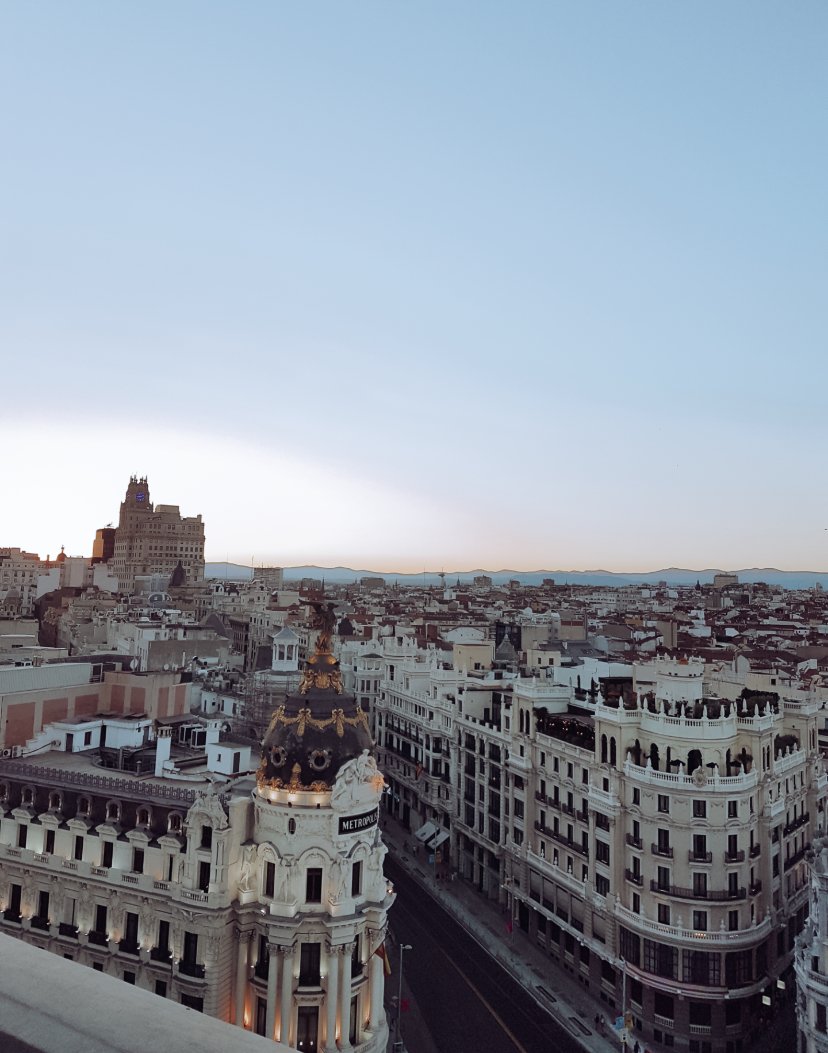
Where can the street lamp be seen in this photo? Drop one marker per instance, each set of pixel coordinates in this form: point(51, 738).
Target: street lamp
point(397, 1043)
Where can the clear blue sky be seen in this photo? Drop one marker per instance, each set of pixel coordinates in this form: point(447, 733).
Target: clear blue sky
point(426, 284)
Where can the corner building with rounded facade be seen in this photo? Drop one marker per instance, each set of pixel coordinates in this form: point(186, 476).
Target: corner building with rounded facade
point(657, 848)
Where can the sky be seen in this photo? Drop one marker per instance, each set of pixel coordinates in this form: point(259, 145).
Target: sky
point(419, 285)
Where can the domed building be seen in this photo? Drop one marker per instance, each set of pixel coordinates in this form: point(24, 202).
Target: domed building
point(311, 880)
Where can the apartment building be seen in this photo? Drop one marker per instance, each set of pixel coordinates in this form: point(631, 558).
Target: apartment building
point(651, 837)
point(665, 860)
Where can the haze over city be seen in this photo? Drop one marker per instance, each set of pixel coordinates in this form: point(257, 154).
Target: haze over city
point(404, 286)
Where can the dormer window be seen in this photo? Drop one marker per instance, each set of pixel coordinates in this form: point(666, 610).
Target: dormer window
point(174, 823)
point(142, 819)
point(113, 811)
point(83, 806)
point(28, 795)
point(206, 837)
point(54, 802)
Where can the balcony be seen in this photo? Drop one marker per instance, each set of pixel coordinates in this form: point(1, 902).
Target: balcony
point(161, 954)
point(713, 895)
point(12, 915)
point(634, 842)
point(67, 930)
point(128, 946)
point(193, 969)
point(699, 857)
point(636, 879)
point(789, 862)
point(40, 923)
point(756, 888)
point(800, 821)
point(665, 851)
point(735, 857)
point(754, 851)
point(100, 939)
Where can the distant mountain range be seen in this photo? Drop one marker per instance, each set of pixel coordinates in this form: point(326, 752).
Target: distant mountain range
point(788, 579)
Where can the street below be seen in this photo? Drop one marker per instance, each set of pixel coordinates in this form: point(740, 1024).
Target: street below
point(467, 1001)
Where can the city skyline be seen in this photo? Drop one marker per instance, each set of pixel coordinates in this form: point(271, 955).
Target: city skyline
point(419, 287)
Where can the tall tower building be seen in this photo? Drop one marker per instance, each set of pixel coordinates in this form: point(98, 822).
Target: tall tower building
point(153, 540)
point(320, 858)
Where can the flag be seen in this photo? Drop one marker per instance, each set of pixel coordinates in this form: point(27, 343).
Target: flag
point(386, 964)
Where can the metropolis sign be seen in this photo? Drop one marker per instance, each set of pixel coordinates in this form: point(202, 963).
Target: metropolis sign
point(352, 824)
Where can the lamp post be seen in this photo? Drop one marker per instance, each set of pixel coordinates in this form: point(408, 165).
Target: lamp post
point(397, 1043)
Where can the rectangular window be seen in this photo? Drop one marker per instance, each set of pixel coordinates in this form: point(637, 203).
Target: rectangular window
point(313, 885)
point(602, 851)
point(309, 961)
point(602, 885)
point(663, 803)
point(269, 879)
point(356, 878)
point(22, 835)
point(664, 913)
point(700, 920)
point(106, 854)
point(204, 875)
point(663, 878)
point(49, 845)
point(699, 884)
point(732, 809)
point(138, 861)
point(636, 796)
point(699, 809)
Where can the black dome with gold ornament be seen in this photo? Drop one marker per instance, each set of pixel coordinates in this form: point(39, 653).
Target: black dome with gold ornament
point(314, 732)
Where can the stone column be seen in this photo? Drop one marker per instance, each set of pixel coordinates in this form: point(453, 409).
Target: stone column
point(274, 954)
point(331, 996)
point(377, 978)
point(242, 963)
point(287, 996)
point(345, 995)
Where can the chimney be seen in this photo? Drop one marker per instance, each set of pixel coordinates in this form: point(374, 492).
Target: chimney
point(163, 745)
point(213, 732)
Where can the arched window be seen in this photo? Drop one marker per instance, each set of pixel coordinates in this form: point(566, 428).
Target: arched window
point(694, 760)
point(603, 749)
point(113, 810)
point(54, 802)
point(174, 823)
point(613, 753)
point(83, 806)
point(142, 818)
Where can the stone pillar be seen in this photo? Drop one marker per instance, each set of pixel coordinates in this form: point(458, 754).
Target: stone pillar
point(377, 978)
point(331, 996)
point(287, 997)
point(345, 996)
point(242, 963)
point(274, 954)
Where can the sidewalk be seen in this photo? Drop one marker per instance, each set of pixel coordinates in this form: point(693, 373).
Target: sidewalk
point(556, 991)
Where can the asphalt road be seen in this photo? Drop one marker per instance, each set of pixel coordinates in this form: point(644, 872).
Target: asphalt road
point(467, 1001)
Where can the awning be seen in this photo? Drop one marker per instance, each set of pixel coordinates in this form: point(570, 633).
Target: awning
point(426, 831)
point(442, 836)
